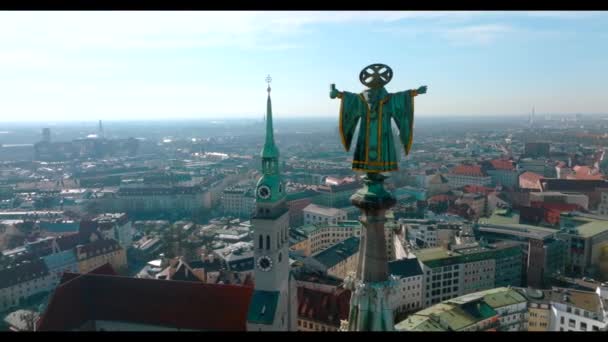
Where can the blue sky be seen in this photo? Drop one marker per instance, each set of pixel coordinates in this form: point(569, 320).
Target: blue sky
point(157, 65)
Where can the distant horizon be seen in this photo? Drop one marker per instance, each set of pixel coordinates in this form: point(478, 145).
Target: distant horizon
point(279, 118)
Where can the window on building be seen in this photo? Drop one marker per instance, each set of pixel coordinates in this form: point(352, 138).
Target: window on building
point(583, 326)
point(267, 242)
point(568, 309)
point(261, 242)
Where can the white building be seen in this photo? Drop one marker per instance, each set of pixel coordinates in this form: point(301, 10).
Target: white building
point(429, 233)
point(408, 294)
point(116, 226)
point(603, 206)
point(238, 201)
point(573, 310)
point(17, 283)
point(318, 214)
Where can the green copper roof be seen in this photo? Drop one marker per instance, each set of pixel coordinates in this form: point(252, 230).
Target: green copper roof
point(270, 149)
point(262, 307)
point(438, 256)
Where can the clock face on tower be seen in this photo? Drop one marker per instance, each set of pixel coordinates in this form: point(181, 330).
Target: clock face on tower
point(265, 263)
point(264, 192)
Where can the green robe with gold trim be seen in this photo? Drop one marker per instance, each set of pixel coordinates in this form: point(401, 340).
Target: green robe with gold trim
point(375, 150)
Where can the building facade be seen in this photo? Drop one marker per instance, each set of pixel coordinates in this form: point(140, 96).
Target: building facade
point(238, 202)
point(407, 296)
point(469, 268)
point(22, 281)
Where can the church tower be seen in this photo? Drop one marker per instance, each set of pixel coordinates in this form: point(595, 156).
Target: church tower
point(273, 305)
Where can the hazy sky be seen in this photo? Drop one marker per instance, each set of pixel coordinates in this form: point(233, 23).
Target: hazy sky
point(151, 65)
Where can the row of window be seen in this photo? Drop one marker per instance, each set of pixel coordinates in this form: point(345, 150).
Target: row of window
point(582, 325)
point(282, 237)
point(314, 326)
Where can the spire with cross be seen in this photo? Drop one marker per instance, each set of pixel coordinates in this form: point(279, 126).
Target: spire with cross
point(268, 80)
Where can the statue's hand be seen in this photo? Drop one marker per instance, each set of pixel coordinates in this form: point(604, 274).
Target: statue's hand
point(333, 92)
point(421, 90)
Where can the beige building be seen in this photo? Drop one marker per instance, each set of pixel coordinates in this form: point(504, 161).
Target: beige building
point(100, 252)
point(539, 316)
point(313, 238)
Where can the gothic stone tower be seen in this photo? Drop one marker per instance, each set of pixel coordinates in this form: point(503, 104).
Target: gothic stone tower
point(273, 305)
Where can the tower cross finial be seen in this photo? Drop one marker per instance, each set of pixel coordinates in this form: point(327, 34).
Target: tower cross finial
point(268, 80)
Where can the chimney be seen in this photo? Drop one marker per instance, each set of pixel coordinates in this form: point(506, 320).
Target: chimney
point(164, 262)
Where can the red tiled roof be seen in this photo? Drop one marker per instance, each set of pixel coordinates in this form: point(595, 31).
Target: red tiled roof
point(177, 304)
point(439, 198)
point(531, 176)
point(586, 173)
point(561, 207)
point(477, 189)
point(468, 170)
point(323, 307)
point(501, 164)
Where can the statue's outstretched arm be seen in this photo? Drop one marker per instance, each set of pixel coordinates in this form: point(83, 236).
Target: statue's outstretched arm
point(421, 90)
point(333, 92)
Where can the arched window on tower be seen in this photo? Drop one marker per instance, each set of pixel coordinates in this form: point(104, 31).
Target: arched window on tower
point(261, 242)
point(267, 241)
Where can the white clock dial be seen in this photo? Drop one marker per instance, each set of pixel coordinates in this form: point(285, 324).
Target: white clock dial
point(264, 192)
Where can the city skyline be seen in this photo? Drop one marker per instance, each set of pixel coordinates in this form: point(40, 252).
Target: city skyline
point(84, 66)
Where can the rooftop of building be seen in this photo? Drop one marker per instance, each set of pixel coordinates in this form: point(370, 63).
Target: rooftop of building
point(587, 225)
point(338, 252)
point(586, 300)
point(323, 307)
point(305, 274)
point(469, 170)
point(531, 176)
point(190, 305)
point(405, 268)
point(495, 298)
point(573, 185)
point(439, 256)
point(325, 211)
point(294, 196)
point(461, 312)
point(23, 272)
point(507, 221)
point(501, 164)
